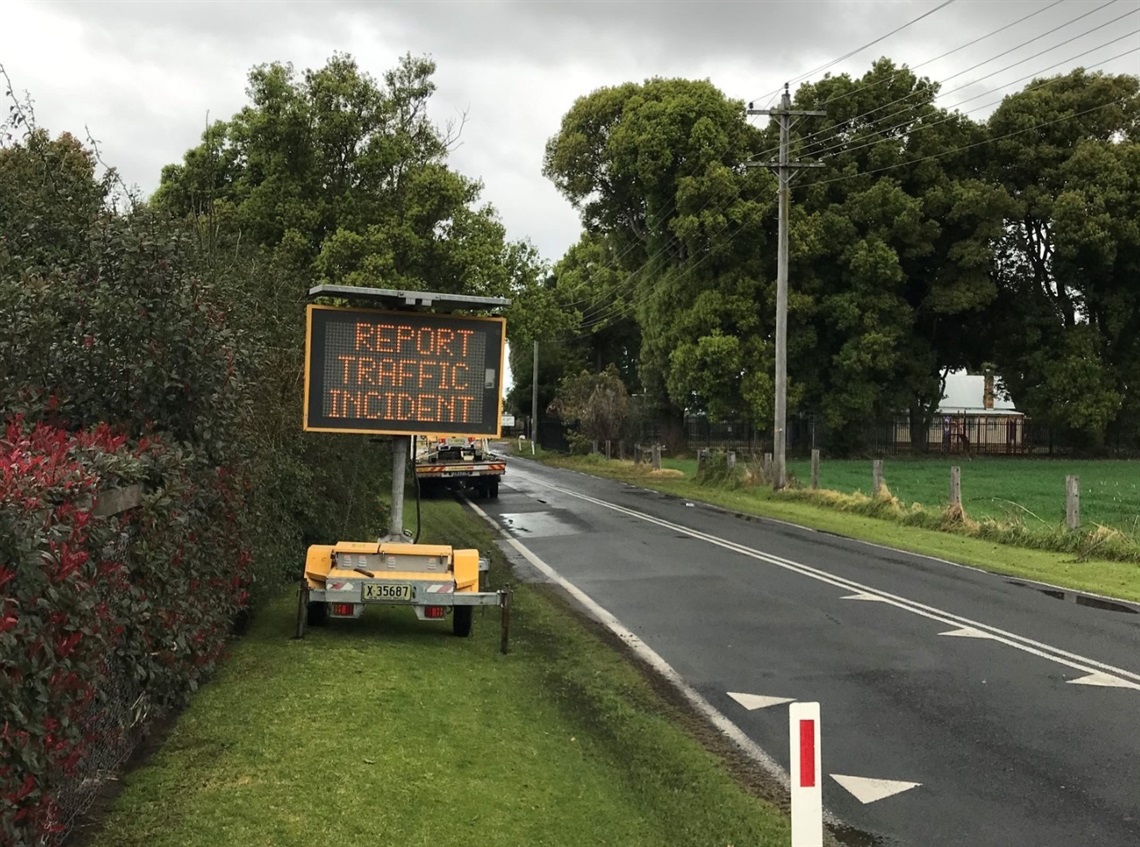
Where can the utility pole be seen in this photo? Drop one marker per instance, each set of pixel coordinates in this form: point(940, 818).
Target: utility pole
point(534, 402)
point(785, 171)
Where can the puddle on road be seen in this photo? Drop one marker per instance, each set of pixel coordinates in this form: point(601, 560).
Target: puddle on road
point(1079, 599)
point(851, 837)
point(542, 524)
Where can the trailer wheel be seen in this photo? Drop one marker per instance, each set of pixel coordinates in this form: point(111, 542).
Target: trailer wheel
point(461, 620)
point(318, 614)
point(493, 487)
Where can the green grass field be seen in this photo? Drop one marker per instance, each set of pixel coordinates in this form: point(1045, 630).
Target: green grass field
point(1032, 490)
point(388, 730)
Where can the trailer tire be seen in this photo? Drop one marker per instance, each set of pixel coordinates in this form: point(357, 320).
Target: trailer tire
point(461, 620)
point(493, 488)
point(317, 614)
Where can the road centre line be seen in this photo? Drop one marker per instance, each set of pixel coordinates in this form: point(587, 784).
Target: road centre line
point(1018, 642)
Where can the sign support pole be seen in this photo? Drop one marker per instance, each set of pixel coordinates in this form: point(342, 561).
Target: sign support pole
point(399, 469)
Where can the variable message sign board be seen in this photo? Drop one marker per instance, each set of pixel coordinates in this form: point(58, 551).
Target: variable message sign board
point(395, 373)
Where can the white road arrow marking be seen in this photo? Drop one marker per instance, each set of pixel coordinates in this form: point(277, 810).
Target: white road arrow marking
point(1084, 664)
point(756, 701)
point(1105, 680)
point(867, 790)
point(967, 632)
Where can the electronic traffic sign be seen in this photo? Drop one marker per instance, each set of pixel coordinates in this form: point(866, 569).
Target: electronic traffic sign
point(395, 373)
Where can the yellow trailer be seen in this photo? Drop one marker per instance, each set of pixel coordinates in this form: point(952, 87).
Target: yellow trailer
point(435, 580)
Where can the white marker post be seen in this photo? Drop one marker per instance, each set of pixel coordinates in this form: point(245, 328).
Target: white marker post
point(806, 776)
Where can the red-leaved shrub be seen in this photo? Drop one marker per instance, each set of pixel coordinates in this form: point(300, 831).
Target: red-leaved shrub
point(143, 600)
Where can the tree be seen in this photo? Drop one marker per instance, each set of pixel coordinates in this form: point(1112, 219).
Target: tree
point(333, 176)
point(1067, 320)
point(348, 179)
point(674, 225)
point(890, 252)
point(597, 404)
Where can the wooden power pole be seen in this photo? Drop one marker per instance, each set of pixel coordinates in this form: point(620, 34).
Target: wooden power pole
point(785, 171)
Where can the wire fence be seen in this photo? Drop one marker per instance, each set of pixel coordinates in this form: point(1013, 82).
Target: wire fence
point(970, 433)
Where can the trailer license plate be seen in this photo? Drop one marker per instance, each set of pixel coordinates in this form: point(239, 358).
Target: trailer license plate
point(373, 591)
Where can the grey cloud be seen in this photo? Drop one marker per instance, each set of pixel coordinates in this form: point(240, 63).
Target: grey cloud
point(154, 69)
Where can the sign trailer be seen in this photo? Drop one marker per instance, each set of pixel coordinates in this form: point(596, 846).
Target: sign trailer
point(396, 371)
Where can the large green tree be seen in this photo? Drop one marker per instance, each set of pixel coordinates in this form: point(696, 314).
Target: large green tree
point(891, 251)
point(1067, 322)
point(674, 227)
point(347, 177)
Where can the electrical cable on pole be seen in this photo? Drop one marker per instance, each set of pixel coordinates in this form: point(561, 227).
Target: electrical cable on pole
point(784, 170)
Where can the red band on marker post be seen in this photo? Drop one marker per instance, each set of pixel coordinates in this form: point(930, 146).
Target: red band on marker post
point(807, 754)
point(806, 775)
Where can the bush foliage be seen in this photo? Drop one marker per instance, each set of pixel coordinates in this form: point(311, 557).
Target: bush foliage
point(143, 599)
point(160, 344)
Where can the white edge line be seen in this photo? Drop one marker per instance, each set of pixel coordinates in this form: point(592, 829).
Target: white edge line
point(651, 658)
point(1083, 664)
point(1027, 580)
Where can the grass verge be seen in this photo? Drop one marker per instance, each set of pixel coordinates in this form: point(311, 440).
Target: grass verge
point(1099, 561)
point(388, 730)
point(1001, 488)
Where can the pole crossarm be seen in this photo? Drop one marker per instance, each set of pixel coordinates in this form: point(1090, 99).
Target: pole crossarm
point(792, 113)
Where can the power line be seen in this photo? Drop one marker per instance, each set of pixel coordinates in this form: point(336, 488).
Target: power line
point(965, 147)
point(858, 50)
point(672, 207)
point(836, 97)
point(912, 93)
point(598, 315)
point(911, 162)
point(841, 147)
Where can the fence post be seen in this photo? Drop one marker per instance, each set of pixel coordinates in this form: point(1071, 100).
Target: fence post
point(730, 459)
point(607, 449)
point(637, 454)
point(701, 454)
point(955, 487)
point(1073, 502)
point(767, 467)
point(815, 469)
point(876, 478)
point(656, 457)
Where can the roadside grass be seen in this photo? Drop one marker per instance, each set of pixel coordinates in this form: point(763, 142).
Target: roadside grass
point(1001, 488)
point(1102, 561)
point(388, 730)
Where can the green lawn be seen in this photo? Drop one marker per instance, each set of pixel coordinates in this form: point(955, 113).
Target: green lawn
point(992, 487)
point(391, 731)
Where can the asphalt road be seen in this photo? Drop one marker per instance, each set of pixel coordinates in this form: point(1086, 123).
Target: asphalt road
point(1020, 728)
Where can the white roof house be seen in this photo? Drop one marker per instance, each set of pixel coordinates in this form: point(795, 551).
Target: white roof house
point(967, 393)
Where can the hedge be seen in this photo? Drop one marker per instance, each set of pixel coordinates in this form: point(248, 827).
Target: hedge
point(141, 601)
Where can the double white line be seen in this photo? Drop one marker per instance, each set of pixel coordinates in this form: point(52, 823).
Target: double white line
point(1095, 673)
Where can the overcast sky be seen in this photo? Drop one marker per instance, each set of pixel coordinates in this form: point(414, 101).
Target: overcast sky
point(143, 76)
